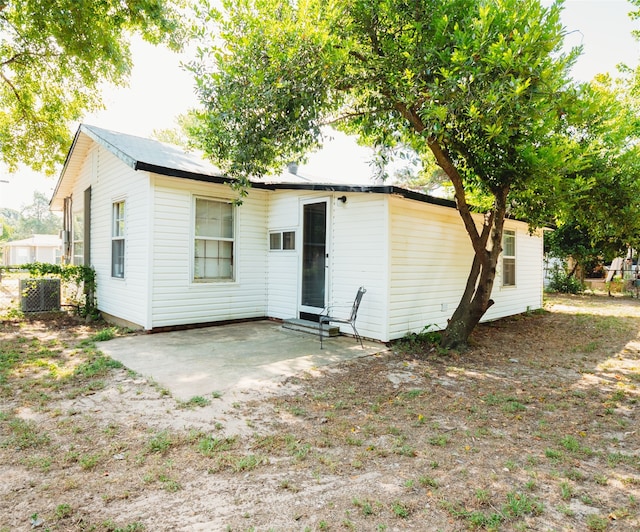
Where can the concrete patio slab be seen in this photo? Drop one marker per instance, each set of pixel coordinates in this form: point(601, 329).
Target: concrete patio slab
point(241, 356)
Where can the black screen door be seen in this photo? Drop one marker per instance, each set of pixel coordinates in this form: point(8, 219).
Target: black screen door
point(314, 255)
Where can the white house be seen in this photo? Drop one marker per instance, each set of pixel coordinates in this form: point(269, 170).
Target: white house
point(171, 248)
point(36, 248)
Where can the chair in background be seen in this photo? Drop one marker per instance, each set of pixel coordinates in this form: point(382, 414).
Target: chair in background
point(351, 320)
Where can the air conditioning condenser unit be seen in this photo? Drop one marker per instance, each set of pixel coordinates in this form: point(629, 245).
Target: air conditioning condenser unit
point(39, 295)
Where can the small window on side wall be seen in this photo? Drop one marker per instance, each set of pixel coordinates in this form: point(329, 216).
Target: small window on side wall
point(117, 240)
point(509, 258)
point(78, 239)
point(282, 240)
point(275, 241)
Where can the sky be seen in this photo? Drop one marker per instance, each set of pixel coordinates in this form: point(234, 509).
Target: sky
point(160, 90)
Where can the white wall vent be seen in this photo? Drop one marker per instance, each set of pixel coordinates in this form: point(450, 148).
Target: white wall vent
point(39, 295)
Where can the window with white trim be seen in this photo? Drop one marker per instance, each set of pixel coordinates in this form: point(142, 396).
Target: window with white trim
point(509, 258)
point(117, 240)
point(78, 238)
point(282, 240)
point(214, 240)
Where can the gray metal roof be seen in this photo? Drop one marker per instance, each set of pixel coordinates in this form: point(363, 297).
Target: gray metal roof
point(37, 240)
point(152, 155)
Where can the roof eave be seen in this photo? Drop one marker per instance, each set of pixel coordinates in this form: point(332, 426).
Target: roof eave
point(184, 174)
point(324, 187)
point(124, 157)
point(369, 189)
point(52, 204)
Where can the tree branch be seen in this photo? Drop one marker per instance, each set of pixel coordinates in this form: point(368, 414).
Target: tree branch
point(499, 214)
point(13, 88)
point(354, 114)
point(13, 59)
point(445, 163)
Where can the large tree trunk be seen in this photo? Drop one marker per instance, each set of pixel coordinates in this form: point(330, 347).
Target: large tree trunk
point(474, 303)
point(487, 246)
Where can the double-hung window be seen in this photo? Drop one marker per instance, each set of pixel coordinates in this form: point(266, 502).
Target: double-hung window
point(78, 238)
point(509, 258)
point(117, 240)
point(214, 240)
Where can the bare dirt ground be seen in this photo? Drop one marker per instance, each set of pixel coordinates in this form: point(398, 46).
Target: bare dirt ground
point(534, 428)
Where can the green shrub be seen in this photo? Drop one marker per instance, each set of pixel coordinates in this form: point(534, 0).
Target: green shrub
point(105, 334)
point(562, 282)
point(419, 342)
point(83, 277)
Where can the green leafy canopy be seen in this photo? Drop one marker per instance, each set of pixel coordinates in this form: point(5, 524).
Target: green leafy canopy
point(481, 86)
point(483, 79)
point(54, 56)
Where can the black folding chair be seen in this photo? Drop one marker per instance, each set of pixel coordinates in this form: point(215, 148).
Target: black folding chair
point(351, 320)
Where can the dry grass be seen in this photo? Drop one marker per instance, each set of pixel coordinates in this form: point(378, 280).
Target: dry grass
point(533, 428)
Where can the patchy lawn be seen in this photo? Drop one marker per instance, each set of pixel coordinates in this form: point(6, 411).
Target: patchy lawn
point(534, 428)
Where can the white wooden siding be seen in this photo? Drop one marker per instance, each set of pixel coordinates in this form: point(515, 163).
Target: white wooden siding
point(46, 254)
point(176, 299)
point(357, 248)
point(15, 255)
point(126, 298)
point(283, 267)
point(412, 257)
point(527, 293)
point(431, 256)
point(429, 262)
point(86, 178)
point(358, 257)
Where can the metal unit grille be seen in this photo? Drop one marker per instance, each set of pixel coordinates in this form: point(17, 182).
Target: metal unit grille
point(39, 295)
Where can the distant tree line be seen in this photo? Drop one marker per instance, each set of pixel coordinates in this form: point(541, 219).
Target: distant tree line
point(35, 218)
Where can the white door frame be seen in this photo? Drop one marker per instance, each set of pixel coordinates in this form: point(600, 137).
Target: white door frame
point(306, 308)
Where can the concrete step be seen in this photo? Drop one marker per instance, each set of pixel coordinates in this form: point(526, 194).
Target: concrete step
point(310, 327)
